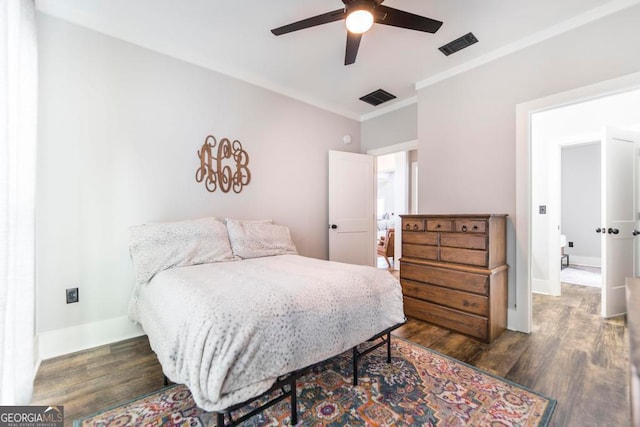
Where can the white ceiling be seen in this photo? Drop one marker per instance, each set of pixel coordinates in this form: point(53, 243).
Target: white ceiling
point(233, 37)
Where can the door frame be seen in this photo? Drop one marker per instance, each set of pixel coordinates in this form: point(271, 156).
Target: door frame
point(522, 318)
point(391, 149)
point(551, 286)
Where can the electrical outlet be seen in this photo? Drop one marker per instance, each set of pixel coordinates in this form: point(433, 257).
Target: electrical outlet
point(542, 209)
point(570, 244)
point(72, 295)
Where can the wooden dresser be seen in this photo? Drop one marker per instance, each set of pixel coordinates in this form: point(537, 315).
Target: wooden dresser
point(453, 272)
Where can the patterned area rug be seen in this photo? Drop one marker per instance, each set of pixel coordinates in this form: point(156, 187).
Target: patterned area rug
point(419, 387)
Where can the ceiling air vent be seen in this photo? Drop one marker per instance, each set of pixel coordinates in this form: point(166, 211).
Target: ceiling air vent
point(377, 97)
point(458, 44)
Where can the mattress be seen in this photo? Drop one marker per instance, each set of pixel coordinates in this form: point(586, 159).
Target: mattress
point(228, 330)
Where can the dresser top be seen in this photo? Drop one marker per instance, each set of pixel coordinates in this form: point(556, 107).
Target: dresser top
point(451, 215)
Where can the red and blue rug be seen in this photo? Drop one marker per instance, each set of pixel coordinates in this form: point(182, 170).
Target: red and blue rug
point(419, 387)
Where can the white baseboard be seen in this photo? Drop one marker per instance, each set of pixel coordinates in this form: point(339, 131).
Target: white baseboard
point(585, 260)
point(36, 356)
point(76, 338)
point(541, 286)
point(512, 320)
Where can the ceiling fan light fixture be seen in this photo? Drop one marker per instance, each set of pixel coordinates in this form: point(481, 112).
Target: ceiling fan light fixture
point(359, 20)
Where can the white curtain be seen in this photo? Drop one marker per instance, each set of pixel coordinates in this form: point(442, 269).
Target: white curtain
point(18, 111)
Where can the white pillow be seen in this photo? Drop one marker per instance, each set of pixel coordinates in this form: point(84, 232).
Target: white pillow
point(160, 246)
point(250, 221)
point(259, 239)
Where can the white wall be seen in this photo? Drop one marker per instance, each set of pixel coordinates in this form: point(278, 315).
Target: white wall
point(392, 128)
point(466, 124)
point(119, 128)
point(386, 187)
point(581, 203)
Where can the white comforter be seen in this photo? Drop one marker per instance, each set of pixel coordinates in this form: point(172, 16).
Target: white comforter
point(227, 330)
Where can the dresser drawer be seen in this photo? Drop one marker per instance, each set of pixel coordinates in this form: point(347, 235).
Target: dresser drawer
point(413, 224)
point(469, 324)
point(420, 251)
point(470, 282)
point(424, 238)
point(439, 225)
point(471, 226)
point(468, 241)
point(464, 256)
point(463, 301)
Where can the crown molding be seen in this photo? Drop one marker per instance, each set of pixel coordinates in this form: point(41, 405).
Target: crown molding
point(553, 31)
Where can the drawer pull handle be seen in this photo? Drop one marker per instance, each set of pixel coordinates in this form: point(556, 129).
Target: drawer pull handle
point(438, 226)
point(408, 226)
point(475, 227)
point(464, 228)
point(415, 226)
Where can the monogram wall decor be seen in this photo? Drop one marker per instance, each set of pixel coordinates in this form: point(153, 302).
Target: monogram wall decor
point(226, 170)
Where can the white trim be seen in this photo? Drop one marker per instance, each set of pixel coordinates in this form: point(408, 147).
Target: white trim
point(390, 149)
point(36, 353)
point(511, 316)
point(545, 287)
point(553, 31)
point(583, 139)
point(396, 106)
point(522, 321)
point(588, 261)
point(76, 338)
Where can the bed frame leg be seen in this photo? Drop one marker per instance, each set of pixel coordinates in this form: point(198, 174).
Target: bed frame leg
point(294, 404)
point(220, 419)
point(355, 365)
point(165, 380)
point(388, 347)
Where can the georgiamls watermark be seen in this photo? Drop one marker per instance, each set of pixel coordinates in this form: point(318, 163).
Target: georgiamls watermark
point(31, 416)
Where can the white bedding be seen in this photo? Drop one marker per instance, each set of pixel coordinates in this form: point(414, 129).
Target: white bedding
point(227, 330)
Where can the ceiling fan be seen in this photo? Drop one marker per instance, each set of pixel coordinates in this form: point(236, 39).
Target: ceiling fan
point(360, 15)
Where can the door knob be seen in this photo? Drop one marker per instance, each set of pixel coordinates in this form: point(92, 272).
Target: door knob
point(598, 230)
point(333, 226)
point(636, 232)
point(613, 230)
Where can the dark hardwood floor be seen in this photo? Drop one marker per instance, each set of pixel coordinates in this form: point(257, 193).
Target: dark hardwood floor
point(572, 355)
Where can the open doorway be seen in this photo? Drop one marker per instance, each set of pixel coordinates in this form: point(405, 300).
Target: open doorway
point(569, 174)
point(396, 194)
point(581, 205)
point(389, 183)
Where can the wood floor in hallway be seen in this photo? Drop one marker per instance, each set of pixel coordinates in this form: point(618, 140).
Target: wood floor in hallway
point(572, 355)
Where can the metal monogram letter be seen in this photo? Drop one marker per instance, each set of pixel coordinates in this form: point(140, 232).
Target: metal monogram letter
point(216, 172)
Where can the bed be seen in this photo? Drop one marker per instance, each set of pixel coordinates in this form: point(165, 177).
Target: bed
point(233, 308)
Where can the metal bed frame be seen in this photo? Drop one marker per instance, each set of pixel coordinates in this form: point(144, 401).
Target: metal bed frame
point(287, 384)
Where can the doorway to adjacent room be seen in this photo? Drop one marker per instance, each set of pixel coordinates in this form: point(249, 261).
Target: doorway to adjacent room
point(396, 194)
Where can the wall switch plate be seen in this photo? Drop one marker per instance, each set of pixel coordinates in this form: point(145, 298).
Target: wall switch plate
point(570, 244)
point(72, 295)
point(543, 209)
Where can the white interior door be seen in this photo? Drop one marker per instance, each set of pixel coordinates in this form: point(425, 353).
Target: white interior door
point(619, 216)
point(351, 210)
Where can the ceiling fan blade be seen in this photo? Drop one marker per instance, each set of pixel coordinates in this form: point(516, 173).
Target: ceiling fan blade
point(353, 43)
point(325, 18)
point(402, 19)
